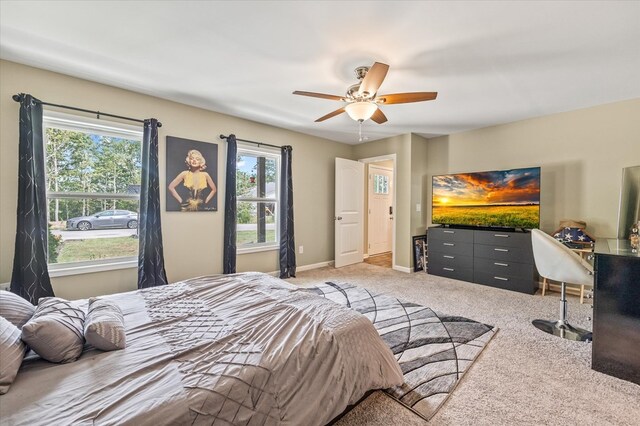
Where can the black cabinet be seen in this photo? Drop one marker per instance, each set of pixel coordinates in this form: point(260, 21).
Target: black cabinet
point(616, 310)
point(451, 253)
point(496, 258)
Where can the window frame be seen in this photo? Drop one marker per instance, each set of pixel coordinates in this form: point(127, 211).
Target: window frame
point(271, 153)
point(77, 123)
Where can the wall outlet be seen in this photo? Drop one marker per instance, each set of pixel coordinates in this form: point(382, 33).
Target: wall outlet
point(5, 286)
point(301, 249)
point(418, 207)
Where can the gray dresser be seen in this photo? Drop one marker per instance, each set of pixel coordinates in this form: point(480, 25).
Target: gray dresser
point(496, 258)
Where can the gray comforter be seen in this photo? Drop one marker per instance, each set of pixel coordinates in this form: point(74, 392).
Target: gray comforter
point(244, 349)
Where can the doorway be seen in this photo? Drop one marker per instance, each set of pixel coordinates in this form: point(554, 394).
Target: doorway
point(379, 235)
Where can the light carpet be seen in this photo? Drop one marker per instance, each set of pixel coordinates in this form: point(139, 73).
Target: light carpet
point(523, 377)
point(434, 350)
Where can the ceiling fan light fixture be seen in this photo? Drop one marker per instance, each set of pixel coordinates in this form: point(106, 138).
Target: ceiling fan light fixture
point(361, 111)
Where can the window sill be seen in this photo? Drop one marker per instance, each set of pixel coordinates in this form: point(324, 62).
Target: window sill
point(257, 249)
point(77, 268)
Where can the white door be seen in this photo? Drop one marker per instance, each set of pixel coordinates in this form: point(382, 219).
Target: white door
point(349, 208)
point(380, 184)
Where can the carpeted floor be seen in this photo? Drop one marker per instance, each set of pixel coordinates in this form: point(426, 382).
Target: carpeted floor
point(523, 377)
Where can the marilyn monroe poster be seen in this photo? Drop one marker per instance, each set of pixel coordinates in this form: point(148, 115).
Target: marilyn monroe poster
point(192, 175)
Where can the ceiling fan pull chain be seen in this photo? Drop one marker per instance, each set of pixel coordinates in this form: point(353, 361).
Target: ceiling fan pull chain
point(359, 130)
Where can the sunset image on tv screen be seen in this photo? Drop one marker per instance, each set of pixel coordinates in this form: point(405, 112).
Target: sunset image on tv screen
point(505, 198)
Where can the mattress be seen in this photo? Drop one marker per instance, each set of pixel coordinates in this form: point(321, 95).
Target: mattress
point(242, 349)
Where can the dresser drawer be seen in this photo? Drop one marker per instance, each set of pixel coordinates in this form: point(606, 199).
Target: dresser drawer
point(505, 253)
point(450, 235)
point(457, 273)
point(502, 268)
point(450, 248)
point(522, 285)
point(453, 260)
point(503, 239)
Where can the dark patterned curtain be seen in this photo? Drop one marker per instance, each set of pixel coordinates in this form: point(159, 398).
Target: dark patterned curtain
point(30, 277)
point(287, 242)
point(151, 255)
point(230, 209)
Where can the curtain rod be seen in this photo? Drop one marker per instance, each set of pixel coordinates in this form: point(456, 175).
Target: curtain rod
point(18, 98)
point(254, 142)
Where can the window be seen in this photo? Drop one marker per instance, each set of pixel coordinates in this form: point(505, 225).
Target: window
point(257, 189)
point(380, 184)
point(93, 172)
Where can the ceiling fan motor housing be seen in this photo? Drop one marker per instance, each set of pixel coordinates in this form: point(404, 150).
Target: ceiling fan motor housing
point(361, 72)
point(352, 91)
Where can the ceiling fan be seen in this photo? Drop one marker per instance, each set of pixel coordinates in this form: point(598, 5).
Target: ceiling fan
point(363, 101)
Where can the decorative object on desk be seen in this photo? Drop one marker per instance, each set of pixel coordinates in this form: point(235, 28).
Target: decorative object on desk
point(634, 237)
point(418, 253)
point(573, 231)
point(434, 350)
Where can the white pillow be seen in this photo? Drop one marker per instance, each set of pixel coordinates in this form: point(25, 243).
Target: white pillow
point(104, 327)
point(12, 351)
point(56, 330)
point(15, 309)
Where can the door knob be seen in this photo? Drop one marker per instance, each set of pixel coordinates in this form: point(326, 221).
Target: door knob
point(337, 217)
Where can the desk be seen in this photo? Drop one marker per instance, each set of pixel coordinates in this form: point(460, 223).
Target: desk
point(616, 310)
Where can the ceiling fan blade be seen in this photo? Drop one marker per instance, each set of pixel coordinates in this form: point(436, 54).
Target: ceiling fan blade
point(319, 95)
point(405, 98)
point(374, 78)
point(331, 114)
point(379, 116)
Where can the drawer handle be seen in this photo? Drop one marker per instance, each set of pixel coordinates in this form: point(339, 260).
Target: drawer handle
point(501, 279)
point(449, 232)
point(500, 264)
point(449, 269)
point(499, 249)
point(446, 256)
point(448, 244)
point(501, 235)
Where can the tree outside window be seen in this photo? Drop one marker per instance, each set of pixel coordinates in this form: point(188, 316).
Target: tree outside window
point(93, 174)
point(257, 189)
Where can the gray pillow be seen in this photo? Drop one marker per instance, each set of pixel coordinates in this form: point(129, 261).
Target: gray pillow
point(12, 351)
point(104, 327)
point(56, 330)
point(15, 309)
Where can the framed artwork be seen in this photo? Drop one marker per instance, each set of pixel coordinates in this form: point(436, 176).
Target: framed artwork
point(419, 243)
point(192, 176)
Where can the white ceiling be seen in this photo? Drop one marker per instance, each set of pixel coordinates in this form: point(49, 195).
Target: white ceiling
point(491, 62)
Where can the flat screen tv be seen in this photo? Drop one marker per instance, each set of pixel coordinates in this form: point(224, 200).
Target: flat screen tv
point(500, 198)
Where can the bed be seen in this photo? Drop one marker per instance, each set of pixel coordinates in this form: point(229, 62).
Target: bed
point(245, 349)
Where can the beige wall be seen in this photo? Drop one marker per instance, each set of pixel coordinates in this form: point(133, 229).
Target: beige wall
point(419, 184)
point(581, 153)
point(192, 242)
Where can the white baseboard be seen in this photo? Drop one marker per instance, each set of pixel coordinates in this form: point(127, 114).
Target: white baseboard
point(402, 269)
point(314, 266)
point(305, 267)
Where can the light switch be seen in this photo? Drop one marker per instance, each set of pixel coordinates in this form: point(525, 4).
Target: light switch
point(301, 249)
point(418, 207)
